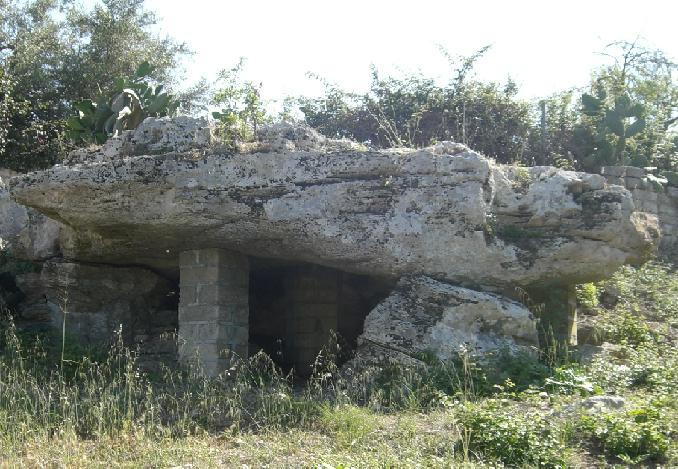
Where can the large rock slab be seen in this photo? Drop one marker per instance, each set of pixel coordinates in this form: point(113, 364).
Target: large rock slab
point(423, 315)
point(444, 212)
point(13, 217)
point(25, 232)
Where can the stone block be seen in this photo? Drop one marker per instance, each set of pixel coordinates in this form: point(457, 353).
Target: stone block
point(613, 180)
point(613, 171)
point(214, 305)
point(233, 313)
point(632, 183)
point(221, 294)
point(646, 196)
point(197, 274)
point(634, 172)
point(207, 332)
point(188, 295)
point(188, 258)
point(200, 313)
point(199, 332)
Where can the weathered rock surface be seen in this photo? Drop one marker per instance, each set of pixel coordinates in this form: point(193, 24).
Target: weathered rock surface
point(110, 224)
point(26, 232)
point(653, 195)
point(13, 217)
point(424, 315)
point(100, 300)
point(444, 212)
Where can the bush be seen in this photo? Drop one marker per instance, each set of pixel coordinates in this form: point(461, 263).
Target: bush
point(516, 438)
point(587, 295)
point(652, 287)
point(636, 435)
point(621, 326)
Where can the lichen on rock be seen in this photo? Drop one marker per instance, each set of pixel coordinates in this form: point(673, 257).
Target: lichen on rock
point(453, 225)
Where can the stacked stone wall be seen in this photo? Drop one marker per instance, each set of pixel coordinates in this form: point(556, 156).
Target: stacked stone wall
point(213, 307)
point(654, 195)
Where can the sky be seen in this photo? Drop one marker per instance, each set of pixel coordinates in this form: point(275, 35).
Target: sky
point(545, 46)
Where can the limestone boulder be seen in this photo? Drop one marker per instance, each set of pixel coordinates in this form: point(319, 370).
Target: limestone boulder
point(445, 212)
point(13, 217)
point(155, 135)
point(423, 315)
point(26, 232)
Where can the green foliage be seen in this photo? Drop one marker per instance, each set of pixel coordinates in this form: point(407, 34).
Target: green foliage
point(493, 431)
point(587, 295)
point(415, 111)
point(634, 436)
point(348, 424)
point(615, 124)
point(242, 110)
point(56, 52)
point(130, 102)
point(571, 380)
point(671, 177)
point(627, 116)
point(651, 289)
point(622, 326)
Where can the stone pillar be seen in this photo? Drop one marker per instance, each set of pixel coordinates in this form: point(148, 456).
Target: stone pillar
point(213, 307)
point(558, 320)
point(313, 294)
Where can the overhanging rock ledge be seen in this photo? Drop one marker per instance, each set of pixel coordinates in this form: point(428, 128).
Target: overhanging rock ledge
point(444, 212)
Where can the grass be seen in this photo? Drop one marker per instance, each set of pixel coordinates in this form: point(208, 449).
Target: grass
point(96, 410)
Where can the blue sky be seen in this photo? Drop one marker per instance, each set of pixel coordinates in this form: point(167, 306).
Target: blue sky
point(545, 46)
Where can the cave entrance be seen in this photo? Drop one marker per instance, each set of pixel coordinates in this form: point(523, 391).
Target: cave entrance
point(294, 308)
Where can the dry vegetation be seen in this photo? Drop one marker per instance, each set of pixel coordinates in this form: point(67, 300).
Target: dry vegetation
point(88, 411)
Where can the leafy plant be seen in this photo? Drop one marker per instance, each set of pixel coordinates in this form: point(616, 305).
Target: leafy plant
point(242, 109)
point(587, 295)
point(496, 432)
point(348, 424)
point(569, 380)
point(130, 102)
point(633, 436)
point(56, 52)
point(615, 123)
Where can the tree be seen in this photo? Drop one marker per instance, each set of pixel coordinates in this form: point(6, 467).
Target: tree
point(54, 53)
point(415, 111)
point(242, 109)
point(629, 114)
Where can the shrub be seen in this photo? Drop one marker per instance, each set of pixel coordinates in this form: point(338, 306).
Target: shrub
point(569, 380)
point(622, 326)
point(124, 108)
point(587, 295)
point(652, 287)
point(633, 436)
point(495, 432)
